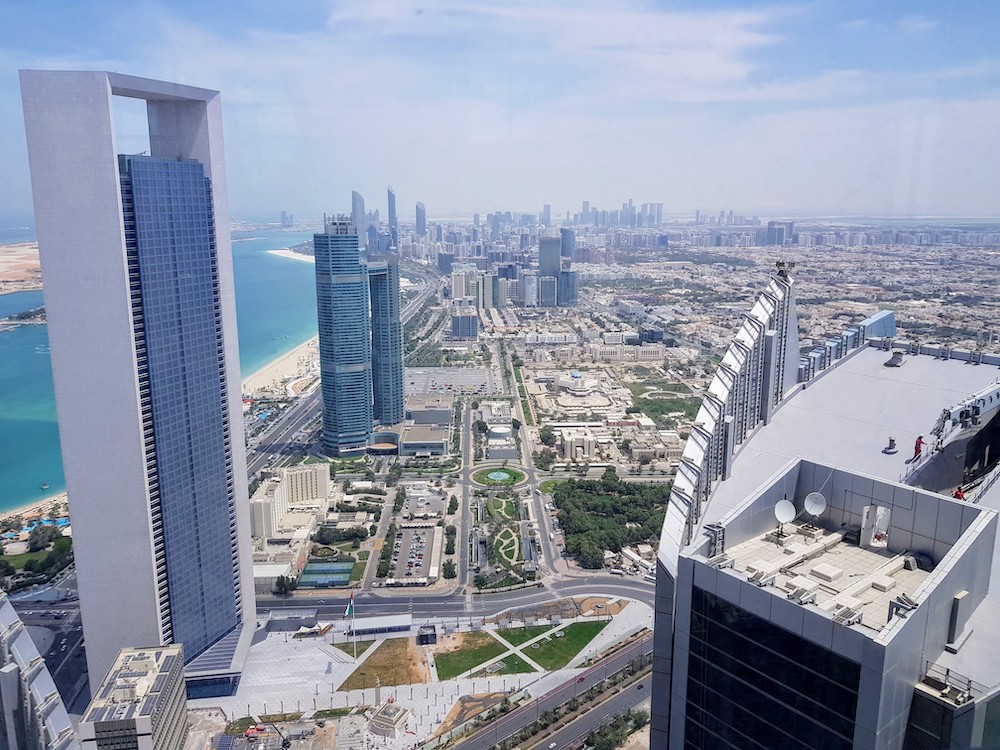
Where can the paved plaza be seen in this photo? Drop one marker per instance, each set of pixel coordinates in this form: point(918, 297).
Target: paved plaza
point(284, 674)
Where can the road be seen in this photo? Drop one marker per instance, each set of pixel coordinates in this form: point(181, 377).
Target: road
point(508, 724)
point(598, 716)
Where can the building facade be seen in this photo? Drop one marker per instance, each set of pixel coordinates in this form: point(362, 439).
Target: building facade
point(360, 339)
point(140, 704)
point(421, 219)
point(137, 268)
point(32, 715)
point(345, 339)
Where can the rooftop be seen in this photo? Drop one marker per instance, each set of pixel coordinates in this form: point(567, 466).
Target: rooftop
point(134, 684)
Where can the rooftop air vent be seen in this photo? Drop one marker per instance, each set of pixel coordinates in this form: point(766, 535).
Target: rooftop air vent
point(896, 360)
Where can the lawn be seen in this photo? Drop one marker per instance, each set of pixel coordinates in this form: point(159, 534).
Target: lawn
point(558, 652)
point(476, 648)
point(348, 648)
point(332, 713)
point(240, 725)
point(549, 484)
point(511, 476)
point(517, 636)
point(19, 561)
point(359, 570)
point(512, 664)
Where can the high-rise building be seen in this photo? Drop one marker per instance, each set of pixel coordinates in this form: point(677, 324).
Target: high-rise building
point(360, 338)
point(465, 325)
point(387, 339)
point(141, 314)
point(345, 339)
point(140, 704)
point(529, 289)
point(32, 715)
point(359, 217)
point(547, 294)
point(818, 585)
point(421, 219)
point(568, 289)
point(546, 215)
point(393, 226)
point(568, 240)
point(779, 232)
point(549, 256)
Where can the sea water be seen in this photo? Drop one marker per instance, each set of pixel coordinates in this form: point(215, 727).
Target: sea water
point(275, 312)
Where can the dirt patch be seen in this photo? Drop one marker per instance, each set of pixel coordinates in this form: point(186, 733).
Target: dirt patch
point(395, 661)
point(448, 643)
point(637, 740)
point(598, 605)
point(468, 707)
point(418, 662)
point(20, 269)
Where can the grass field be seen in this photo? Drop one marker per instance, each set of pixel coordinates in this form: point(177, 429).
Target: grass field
point(512, 664)
point(513, 477)
point(476, 648)
point(359, 571)
point(390, 663)
point(517, 636)
point(557, 653)
point(549, 484)
point(332, 713)
point(19, 561)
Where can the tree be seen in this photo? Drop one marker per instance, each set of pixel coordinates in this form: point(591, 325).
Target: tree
point(516, 424)
point(544, 459)
point(547, 435)
point(41, 536)
point(448, 569)
point(452, 505)
point(479, 581)
point(6, 569)
point(481, 427)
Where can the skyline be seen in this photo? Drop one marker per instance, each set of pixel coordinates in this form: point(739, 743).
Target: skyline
point(551, 104)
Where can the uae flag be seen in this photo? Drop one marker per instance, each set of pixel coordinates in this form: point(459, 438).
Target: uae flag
point(350, 606)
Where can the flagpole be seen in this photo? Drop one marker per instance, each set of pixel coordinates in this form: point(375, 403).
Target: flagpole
point(354, 630)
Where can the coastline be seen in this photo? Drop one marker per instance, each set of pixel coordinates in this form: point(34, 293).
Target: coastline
point(297, 363)
point(286, 371)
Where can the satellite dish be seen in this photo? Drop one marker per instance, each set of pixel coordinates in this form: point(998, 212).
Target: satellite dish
point(815, 504)
point(784, 511)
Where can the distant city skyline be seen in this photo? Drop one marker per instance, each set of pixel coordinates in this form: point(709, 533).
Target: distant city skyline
point(772, 109)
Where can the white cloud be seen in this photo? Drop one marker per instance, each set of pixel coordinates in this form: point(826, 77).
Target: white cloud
point(914, 23)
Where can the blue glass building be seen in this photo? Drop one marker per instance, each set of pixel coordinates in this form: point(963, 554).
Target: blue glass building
point(176, 313)
point(387, 338)
point(345, 339)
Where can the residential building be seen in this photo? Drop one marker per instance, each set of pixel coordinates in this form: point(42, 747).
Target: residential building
point(421, 219)
point(358, 216)
point(549, 256)
point(393, 224)
point(141, 313)
point(387, 338)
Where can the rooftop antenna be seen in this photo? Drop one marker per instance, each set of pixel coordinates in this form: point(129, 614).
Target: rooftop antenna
point(784, 512)
point(815, 504)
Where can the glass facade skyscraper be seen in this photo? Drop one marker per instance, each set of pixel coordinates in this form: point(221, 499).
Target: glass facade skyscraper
point(387, 338)
point(176, 312)
point(142, 325)
point(345, 339)
point(421, 219)
point(360, 339)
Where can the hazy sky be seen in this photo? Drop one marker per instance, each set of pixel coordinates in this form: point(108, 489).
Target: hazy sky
point(472, 105)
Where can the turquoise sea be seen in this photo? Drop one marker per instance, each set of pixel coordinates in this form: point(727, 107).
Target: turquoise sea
point(275, 311)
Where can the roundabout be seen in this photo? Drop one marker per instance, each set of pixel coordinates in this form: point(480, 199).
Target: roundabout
point(498, 477)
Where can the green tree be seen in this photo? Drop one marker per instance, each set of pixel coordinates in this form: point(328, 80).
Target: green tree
point(448, 569)
point(547, 435)
point(41, 536)
point(479, 581)
point(452, 505)
point(481, 427)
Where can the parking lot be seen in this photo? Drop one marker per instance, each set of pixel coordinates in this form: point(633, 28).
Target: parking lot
point(425, 505)
point(467, 381)
point(411, 556)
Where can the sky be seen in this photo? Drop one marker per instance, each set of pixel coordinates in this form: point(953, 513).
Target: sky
point(785, 108)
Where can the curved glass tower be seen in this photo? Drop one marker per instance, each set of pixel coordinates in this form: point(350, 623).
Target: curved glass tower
point(345, 339)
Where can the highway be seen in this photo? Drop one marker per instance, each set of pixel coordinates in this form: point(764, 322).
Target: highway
point(508, 724)
point(597, 716)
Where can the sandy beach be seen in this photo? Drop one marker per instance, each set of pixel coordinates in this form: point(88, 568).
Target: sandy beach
point(286, 253)
point(20, 269)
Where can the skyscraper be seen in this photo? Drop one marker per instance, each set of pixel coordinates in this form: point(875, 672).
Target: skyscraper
point(568, 240)
point(360, 338)
point(138, 280)
point(393, 226)
point(358, 216)
point(421, 219)
point(549, 256)
point(345, 339)
point(387, 338)
point(568, 290)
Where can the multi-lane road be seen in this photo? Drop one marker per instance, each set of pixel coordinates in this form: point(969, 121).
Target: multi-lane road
point(508, 724)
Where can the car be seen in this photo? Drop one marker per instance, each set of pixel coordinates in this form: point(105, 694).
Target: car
point(551, 745)
point(579, 679)
point(640, 686)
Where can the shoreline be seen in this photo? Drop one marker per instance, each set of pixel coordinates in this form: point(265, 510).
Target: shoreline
point(288, 365)
point(297, 361)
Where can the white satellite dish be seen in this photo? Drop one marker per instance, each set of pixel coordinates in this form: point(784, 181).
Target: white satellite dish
point(784, 511)
point(815, 504)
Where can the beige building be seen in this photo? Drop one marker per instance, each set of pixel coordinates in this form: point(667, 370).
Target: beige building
point(141, 704)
